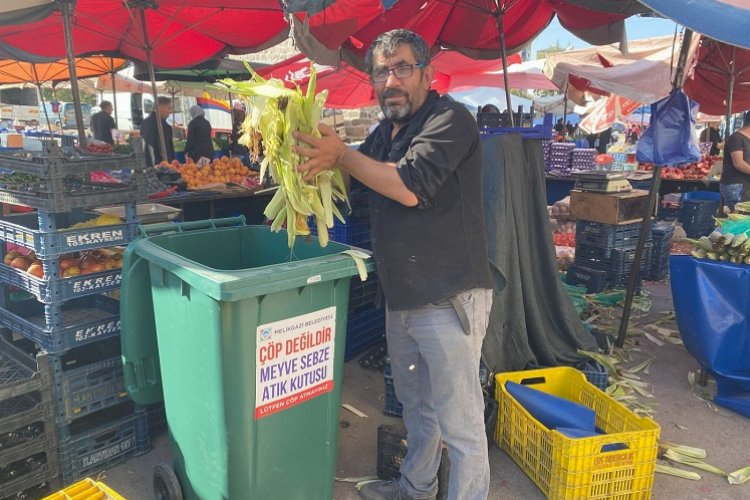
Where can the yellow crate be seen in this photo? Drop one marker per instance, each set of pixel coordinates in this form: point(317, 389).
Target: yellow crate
point(568, 468)
point(86, 489)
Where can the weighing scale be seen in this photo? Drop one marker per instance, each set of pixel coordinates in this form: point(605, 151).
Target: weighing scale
point(601, 181)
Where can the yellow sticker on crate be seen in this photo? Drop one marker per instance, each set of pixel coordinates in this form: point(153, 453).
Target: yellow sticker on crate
point(614, 460)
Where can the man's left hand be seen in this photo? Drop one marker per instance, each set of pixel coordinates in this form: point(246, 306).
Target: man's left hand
point(323, 153)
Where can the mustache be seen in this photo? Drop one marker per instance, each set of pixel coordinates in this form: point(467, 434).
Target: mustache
point(393, 93)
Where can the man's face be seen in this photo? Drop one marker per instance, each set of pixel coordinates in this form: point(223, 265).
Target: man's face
point(401, 97)
point(107, 109)
point(165, 110)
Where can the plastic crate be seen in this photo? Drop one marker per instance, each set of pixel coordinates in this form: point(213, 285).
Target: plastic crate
point(26, 427)
point(157, 419)
point(51, 290)
point(20, 473)
point(392, 405)
point(32, 488)
point(698, 216)
point(596, 374)
point(607, 235)
point(85, 379)
point(24, 230)
point(57, 328)
point(355, 232)
point(667, 212)
point(564, 467)
point(365, 328)
point(88, 489)
point(362, 293)
point(19, 374)
point(613, 260)
point(55, 162)
point(102, 439)
point(595, 280)
point(392, 447)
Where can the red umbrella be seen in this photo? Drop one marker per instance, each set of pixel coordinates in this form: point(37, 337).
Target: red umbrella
point(480, 29)
point(349, 87)
point(721, 79)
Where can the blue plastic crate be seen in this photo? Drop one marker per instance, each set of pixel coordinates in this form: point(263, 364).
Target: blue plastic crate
point(607, 235)
point(669, 212)
point(595, 280)
point(24, 230)
point(596, 374)
point(698, 216)
point(362, 293)
point(103, 439)
point(364, 329)
point(51, 290)
point(355, 232)
point(57, 328)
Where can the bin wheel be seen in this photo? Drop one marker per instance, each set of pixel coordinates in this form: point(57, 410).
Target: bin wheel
point(166, 484)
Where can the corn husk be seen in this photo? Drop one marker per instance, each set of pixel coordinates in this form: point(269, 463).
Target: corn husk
point(673, 471)
point(739, 476)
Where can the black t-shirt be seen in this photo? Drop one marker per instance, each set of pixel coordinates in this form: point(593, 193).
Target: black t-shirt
point(432, 251)
point(102, 124)
point(736, 142)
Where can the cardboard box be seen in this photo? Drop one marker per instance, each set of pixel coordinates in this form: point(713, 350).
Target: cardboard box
point(608, 208)
point(11, 140)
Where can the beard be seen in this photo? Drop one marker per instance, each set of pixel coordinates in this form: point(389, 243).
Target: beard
point(395, 112)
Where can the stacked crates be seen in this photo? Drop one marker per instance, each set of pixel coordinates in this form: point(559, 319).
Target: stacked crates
point(69, 315)
point(699, 208)
point(366, 323)
point(605, 254)
point(28, 439)
point(661, 235)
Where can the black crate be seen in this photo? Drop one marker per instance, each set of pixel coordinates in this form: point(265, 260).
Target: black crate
point(26, 427)
point(20, 473)
point(698, 217)
point(614, 260)
point(35, 487)
point(58, 327)
point(157, 419)
point(595, 280)
point(102, 439)
point(57, 199)
point(392, 406)
point(392, 447)
point(607, 235)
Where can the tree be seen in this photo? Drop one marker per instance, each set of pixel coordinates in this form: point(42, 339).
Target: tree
point(66, 95)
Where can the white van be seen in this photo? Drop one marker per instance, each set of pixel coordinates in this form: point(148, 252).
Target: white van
point(64, 113)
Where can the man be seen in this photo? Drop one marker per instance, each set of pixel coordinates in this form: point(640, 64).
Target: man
point(711, 134)
point(735, 173)
point(199, 144)
point(423, 165)
point(102, 123)
point(150, 133)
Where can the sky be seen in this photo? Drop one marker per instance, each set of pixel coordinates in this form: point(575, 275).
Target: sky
point(636, 27)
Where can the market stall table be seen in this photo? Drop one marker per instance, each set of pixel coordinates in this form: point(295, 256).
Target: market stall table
point(200, 205)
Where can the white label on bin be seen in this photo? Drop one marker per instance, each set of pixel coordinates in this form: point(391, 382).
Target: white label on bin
point(314, 279)
point(294, 361)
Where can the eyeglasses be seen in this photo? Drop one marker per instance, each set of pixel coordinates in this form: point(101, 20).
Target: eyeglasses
point(401, 71)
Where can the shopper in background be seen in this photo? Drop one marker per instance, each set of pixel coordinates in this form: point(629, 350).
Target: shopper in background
point(150, 133)
point(238, 118)
point(423, 165)
point(102, 123)
point(199, 144)
point(604, 138)
point(735, 172)
point(711, 134)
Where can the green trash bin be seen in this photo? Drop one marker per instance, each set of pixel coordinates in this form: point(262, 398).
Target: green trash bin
point(249, 361)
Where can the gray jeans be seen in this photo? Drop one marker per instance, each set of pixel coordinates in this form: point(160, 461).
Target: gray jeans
point(435, 366)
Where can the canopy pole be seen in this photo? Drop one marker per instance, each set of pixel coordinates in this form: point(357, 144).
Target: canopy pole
point(504, 54)
point(152, 75)
point(648, 209)
point(565, 108)
point(730, 93)
point(114, 88)
point(66, 10)
point(44, 106)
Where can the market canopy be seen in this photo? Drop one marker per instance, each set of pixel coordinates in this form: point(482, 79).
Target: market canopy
point(348, 87)
point(723, 20)
point(644, 74)
point(12, 71)
point(471, 27)
point(718, 63)
point(24, 11)
point(208, 71)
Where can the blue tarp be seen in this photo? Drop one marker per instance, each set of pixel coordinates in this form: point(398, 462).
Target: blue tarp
point(670, 138)
point(711, 303)
point(723, 20)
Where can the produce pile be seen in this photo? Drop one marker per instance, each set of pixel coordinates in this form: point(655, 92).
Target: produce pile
point(563, 232)
point(692, 171)
point(274, 113)
point(99, 148)
point(73, 264)
point(730, 242)
point(221, 171)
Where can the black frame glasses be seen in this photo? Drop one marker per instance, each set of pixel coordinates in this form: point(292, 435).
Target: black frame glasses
point(402, 71)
